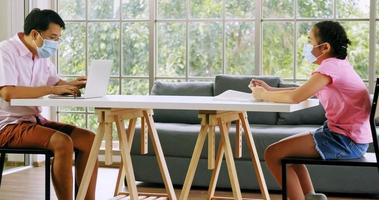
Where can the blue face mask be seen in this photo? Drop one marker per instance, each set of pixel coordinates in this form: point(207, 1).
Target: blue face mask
point(308, 55)
point(48, 48)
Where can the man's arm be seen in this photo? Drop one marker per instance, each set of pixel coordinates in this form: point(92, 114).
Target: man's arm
point(19, 92)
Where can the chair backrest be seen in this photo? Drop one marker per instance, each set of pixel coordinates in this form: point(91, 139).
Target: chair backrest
point(373, 114)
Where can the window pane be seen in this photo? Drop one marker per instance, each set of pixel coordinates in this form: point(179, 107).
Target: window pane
point(358, 51)
point(135, 49)
point(240, 48)
point(315, 9)
point(71, 53)
point(278, 49)
point(171, 49)
point(135, 9)
point(72, 9)
point(92, 122)
point(114, 86)
point(240, 8)
point(73, 118)
point(304, 69)
point(135, 86)
point(71, 109)
point(171, 9)
point(104, 9)
point(171, 80)
point(104, 43)
point(206, 9)
point(353, 8)
point(205, 49)
point(278, 8)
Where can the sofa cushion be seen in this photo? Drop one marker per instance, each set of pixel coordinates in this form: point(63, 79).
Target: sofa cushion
point(314, 115)
point(240, 83)
point(180, 89)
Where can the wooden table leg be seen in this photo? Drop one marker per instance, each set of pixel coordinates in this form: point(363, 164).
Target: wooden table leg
point(211, 147)
point(216, 170)
point(254, 156)
point(120, 179)
point(144, 148)
point(238, 140)
point(194, 162)
point(92, 159)
point(230, 160)
point(159, 154)
point(108, 143)
point(126, 158)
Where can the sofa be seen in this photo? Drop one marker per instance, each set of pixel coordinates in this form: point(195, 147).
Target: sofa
point(178, 131)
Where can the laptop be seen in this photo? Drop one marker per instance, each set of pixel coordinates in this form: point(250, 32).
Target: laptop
point(97, 81)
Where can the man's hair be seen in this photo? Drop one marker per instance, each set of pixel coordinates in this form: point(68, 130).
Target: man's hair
point(334, 34)
point(40, 20)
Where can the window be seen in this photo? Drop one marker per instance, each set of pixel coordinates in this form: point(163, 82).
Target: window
point(285, 30)
point(194, 40)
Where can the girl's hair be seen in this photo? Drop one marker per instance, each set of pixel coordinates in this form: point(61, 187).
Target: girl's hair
point(334, 34)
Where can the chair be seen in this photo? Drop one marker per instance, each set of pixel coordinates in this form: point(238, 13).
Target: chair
point(369, 159)
point(48, 154)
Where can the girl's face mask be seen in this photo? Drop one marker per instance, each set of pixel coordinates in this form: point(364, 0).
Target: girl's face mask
point(308, 55)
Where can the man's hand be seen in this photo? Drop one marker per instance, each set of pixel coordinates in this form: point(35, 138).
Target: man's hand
point(79, 82)
point(65, 90)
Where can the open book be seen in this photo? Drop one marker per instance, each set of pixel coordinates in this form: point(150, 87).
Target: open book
point(233, 95)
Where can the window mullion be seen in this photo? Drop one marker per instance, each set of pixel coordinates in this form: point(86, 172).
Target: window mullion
point(258, 38)
point(372, 46)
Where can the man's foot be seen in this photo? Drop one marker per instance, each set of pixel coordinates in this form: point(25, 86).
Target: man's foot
point(315, 196)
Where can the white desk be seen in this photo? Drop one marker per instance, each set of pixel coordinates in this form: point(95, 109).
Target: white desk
point(213, 113)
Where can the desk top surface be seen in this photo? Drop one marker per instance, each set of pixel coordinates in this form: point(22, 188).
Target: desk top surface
point(167, 102)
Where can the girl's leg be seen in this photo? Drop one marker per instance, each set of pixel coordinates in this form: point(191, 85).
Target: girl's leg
point(301, 145)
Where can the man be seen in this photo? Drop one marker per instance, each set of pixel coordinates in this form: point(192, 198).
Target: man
point(27, 72)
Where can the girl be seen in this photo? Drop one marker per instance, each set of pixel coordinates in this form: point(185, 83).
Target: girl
point(345, 98)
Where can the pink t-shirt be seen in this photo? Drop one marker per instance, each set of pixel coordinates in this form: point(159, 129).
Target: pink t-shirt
point(18, 68)
point(346, 100)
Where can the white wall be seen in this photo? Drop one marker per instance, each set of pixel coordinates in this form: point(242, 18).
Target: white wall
point(11, 17)
point(4, 19)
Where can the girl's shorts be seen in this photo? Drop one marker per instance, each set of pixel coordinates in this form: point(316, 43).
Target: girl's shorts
point(331, 145)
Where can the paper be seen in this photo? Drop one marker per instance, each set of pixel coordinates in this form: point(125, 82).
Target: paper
point(233, 95)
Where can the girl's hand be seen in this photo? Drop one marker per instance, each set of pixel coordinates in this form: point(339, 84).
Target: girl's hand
point(258, 92)
point(260, 83)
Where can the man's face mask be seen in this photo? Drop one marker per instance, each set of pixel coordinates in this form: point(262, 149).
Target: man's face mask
point(48, 48)
point(308, 55)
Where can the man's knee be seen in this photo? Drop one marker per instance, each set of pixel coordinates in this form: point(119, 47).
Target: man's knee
point(61, 144)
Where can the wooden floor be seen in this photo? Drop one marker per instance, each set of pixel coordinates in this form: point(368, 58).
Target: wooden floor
point(29, 184)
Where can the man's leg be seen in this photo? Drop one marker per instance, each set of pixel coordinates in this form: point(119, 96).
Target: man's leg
point(62, 147)
point(82, 140)
point(29, 135)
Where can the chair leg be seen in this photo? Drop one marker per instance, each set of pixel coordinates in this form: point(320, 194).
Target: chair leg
point(284, 181)
point(2, 163)
point(47, 177)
